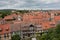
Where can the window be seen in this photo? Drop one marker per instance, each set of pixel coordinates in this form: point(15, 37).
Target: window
point(36, 15)
point(0, 29)
point(46, 26)
point(7, 29)
point(7, 35)
point(4, 35)
point(57, 14)
point(49, 14)
point(13, 33)
point(0, 37)
point(31, 27)
point(50, 19)
point(40, 23)
point(58, 22)
point(52, 25)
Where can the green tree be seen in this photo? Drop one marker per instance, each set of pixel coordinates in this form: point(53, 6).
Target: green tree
point(4, 13)
point(15, 37)
point(57, 32)
point(53, 34)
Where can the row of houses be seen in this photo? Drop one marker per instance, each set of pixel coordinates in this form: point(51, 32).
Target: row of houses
point(27, 24)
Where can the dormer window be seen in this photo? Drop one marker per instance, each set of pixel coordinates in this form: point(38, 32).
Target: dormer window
point(52, 25)
point(57, 14)
point(7, 29)
point(0, 29)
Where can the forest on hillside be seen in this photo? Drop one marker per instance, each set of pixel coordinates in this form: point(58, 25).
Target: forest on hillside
point(6, 12)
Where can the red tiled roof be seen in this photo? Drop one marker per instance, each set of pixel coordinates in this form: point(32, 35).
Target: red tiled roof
point(35, 17)
point(4, 27)
point(10, 16)
point(57, 18)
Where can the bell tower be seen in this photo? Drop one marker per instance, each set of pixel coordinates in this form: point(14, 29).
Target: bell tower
point(52, 16)
point(18, 16)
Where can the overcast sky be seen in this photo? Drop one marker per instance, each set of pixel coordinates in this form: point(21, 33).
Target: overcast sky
point(29, 4)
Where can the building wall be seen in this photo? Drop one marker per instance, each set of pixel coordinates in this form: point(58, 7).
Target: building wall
point(45, 19)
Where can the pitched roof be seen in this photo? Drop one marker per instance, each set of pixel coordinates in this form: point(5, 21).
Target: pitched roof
point(3, 27)
point(10, 16)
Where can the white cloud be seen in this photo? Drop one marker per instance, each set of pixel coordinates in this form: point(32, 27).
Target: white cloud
point(19, 2)
point(50, 1)
point(8, 4)
point(27, 4)
point(47, 1)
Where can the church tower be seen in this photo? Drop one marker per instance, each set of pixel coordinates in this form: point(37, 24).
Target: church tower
point(52, 16)
point(18, 16)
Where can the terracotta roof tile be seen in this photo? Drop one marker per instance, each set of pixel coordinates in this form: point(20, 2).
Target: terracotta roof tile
point(4, 27)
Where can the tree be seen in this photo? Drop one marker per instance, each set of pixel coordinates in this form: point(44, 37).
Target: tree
point(15, 37)
point(57, 32)
point(53, 34)
point(5, 13)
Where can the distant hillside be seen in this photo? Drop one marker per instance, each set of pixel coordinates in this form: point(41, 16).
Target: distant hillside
point(5, 12)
